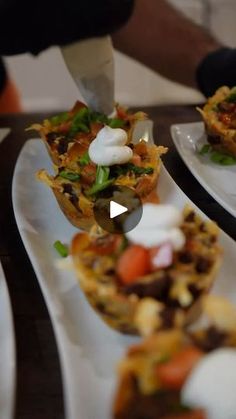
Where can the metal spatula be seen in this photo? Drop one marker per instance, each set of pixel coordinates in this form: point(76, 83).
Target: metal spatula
point(91, 64)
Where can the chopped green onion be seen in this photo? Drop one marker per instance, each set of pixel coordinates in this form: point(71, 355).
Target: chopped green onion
point(61, 248)
point(130, 167)
point(205, 149)
point(222, 159)
point(99, 117)
point(99, 187)
point(116, 123)
point(102, 174)
point(80, 122)
point(84, 159)
point(59, 119)
point(73, 177)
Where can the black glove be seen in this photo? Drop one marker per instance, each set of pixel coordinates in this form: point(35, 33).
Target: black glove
point(217, 69)
point(34, 25)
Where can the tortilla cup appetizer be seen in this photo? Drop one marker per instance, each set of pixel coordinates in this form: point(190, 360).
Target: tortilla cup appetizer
point(139, 290)
point(80, 182)
point(219, 115)
point(161, 377)
point(151, 377)
point(78, 127)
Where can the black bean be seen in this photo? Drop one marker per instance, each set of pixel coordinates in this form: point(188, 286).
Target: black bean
point(185, 257)
point(190, 217)
point(203, 265)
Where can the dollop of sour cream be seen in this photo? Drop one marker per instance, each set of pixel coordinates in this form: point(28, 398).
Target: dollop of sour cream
point(159, 224)
point(212, 385)
point(109, 147)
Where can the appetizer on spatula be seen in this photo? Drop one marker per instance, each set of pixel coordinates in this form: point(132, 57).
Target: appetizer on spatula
point(93, 152)
point(172, 375)
point(219, 115)
point(152, 277)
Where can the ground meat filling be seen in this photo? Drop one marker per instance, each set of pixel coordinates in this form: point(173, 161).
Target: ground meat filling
point(211, 339)
point(60, 142)
point(68, 189)
point(52, 137)
point(158, 289)
point(155, 406)
point(213, 139)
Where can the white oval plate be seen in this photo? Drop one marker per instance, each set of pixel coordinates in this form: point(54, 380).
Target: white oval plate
point(7, 353)
point(219, 181)
point(88, 349)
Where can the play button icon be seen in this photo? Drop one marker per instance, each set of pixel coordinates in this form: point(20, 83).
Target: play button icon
point(118, 209)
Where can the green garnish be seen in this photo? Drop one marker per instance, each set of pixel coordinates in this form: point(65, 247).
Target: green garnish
point(116, 123)
point(222, 159)
point(80, 122)
point(217, 156)
point(59, 119)
point(84, 159)
point(73, 177)
point(99, 187)
point(130, 167)
point(232, 96)
point(102, 180)
point(61, 248)
point(102, 174)
point(205, 149)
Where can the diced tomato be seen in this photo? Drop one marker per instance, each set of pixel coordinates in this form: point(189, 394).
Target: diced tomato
point(95, 127)
point(121, 113)
point(88, 174)
point(136, 159)
point(133, 263)
point(195, 414)
point(77, 106)
point(64, 127)
point(225, 118)
point(161, 257)
point(174, 372)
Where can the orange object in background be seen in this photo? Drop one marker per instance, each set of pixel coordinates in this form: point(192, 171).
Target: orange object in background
point(10, 98)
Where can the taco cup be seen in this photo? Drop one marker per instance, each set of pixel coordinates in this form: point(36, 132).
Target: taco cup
point(134, 297)
point(219, 115)
point(79, 181)
point(157, 376)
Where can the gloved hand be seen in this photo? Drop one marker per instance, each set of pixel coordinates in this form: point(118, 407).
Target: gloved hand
point(217, 69)
point(32, 26)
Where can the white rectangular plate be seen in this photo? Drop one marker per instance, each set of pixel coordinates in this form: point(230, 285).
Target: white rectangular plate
point(219, 181)
point(4, 133)
point(7, 353)
point(89, 350)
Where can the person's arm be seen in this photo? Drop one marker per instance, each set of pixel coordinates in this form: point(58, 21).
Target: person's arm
point(160, 37)
point(34, 25)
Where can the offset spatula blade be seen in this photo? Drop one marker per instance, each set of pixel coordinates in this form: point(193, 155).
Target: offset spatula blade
point(91, 64)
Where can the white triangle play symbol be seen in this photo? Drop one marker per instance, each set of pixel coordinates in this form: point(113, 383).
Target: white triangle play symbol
point(116, 209)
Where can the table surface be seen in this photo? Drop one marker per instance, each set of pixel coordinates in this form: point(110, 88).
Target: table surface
point(39, 387)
